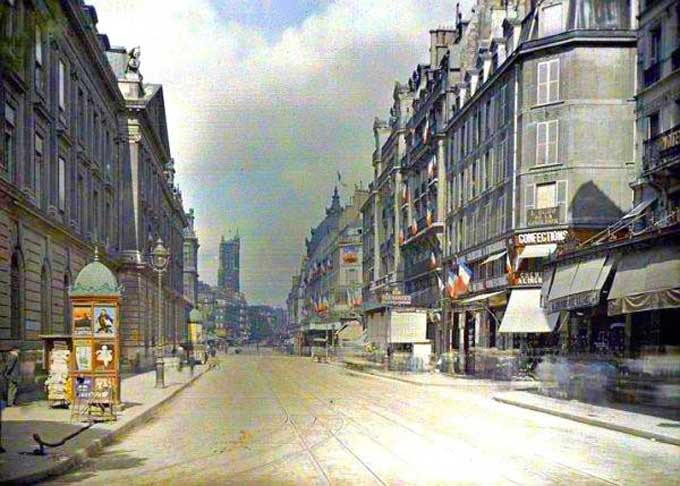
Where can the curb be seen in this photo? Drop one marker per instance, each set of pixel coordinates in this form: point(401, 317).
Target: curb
point(594, 422)
point(78, 457)
point(434, 385)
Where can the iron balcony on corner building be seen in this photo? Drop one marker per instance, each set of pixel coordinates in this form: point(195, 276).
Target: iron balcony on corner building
point(662, 152)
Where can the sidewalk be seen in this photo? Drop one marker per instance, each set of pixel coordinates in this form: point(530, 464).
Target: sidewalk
point(140, 401)
point(647, 426)
point(355, 365)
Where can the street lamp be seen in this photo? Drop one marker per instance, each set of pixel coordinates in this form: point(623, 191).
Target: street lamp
point(159, 260)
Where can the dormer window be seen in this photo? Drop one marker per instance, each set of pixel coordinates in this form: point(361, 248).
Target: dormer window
point(550, 20)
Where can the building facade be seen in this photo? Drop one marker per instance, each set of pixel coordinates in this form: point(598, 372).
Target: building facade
point(528, 170)
point(331, 278)
point(191, 261)
point(229, 272)
point(619, 291)
point(151, 208)
point(65, 176)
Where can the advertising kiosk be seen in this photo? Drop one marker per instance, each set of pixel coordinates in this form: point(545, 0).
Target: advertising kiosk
point(94, 370)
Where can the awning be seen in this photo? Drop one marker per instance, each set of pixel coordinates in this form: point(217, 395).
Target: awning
point(524, 313)
point(536, 251)
point(561, 284)
point(646, 280)
point(494, 257)
point(477, 298)
point(351, 332)
point(637, 210)
point(587, 281)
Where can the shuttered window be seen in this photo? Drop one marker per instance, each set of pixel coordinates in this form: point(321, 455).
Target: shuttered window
point(546, 142)
point(548, 82)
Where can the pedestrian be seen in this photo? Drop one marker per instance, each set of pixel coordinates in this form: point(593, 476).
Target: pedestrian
point(12, 376)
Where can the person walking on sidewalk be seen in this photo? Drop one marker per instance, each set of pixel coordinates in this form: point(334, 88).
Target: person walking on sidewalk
point(12, 376)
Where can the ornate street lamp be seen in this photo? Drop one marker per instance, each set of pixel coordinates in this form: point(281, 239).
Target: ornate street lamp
point(159, 260)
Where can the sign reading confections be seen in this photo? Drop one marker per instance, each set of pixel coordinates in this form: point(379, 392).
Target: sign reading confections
point(541, 237)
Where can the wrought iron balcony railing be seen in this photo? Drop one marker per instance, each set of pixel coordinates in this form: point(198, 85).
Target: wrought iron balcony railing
point(661, 151)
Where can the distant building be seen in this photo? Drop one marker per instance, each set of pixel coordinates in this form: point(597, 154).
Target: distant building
point(229, 272)
point(191, 261)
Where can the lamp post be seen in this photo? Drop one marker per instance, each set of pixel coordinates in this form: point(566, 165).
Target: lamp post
point(159, 260)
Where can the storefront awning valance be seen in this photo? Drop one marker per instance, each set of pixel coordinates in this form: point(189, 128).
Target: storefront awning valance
point(494, 257)
point(480, 297)
point(646, 280)
point(524, 313)
point(587, 281)
point(536, 251)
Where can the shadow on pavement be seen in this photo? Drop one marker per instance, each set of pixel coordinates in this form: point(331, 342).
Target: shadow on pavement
point(107, 460)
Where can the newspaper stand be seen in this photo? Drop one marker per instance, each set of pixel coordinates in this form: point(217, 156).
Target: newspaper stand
point(95, 371)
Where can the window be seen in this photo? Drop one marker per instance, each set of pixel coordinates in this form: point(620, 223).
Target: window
point(95, 213)
point(501, 214)
point(502, 104)
point(551, 20)
point(488, 170)
point(548, 81)
point(62, 86)
point(39, 69)
point(45, 301)
point(61, 200)
point(80, 202)
point(9, 143)
point(653, 125)
point(655, 45)
point(546, 195)
point(546, 142)
point(475, 179)
point(38, 169)
point(66, 304)
point(81, 114)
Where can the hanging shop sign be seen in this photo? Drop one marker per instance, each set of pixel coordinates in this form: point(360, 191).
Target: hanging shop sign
point(541, 237)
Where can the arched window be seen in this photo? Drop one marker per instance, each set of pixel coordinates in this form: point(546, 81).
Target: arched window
point(16, 296)
point(45, 300)
point(67, 304)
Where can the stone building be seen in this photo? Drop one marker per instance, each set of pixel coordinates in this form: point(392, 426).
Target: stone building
point(331, 276)
point(381, 224)
point(619, 292)
point(191, 261)
point(535, 160)
point(229, 272)
point(59, 166)
point(70, 182)
point(150, 208)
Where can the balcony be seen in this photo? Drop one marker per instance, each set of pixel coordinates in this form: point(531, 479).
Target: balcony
point(417, 269)
point(661, 152)
point(652, 74)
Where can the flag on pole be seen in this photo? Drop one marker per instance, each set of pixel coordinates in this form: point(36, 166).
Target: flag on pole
point(440, 283)
point(463, 280)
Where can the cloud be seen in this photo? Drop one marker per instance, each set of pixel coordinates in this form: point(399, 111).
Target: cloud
point(259, 126)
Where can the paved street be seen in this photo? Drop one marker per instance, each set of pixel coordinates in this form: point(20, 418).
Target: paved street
point(276, 420)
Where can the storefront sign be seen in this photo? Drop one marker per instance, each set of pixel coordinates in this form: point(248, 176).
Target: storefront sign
point(529, 278)
point(541, 237)
point(396, 300)
point(576, 301)
point(670, 140)
point(543, 216)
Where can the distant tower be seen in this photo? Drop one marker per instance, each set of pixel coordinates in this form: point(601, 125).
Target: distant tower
point(229, 274)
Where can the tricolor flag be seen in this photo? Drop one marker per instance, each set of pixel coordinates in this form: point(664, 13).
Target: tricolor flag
point(440, 283)
point(414, 227)
point(463, 280)
point(451, 283)
point(401, 236)
point(433, 260)
point(428, 216)
point(430, 168)
point(404, 192)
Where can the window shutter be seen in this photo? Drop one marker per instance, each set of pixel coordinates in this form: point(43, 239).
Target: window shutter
point(562, 199)
point(552, 135)
point(542, 82)
point(541, 136)
point(529, 192)
point(554, 80)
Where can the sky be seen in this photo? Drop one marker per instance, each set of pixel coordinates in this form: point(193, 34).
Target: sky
point(266, 101)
